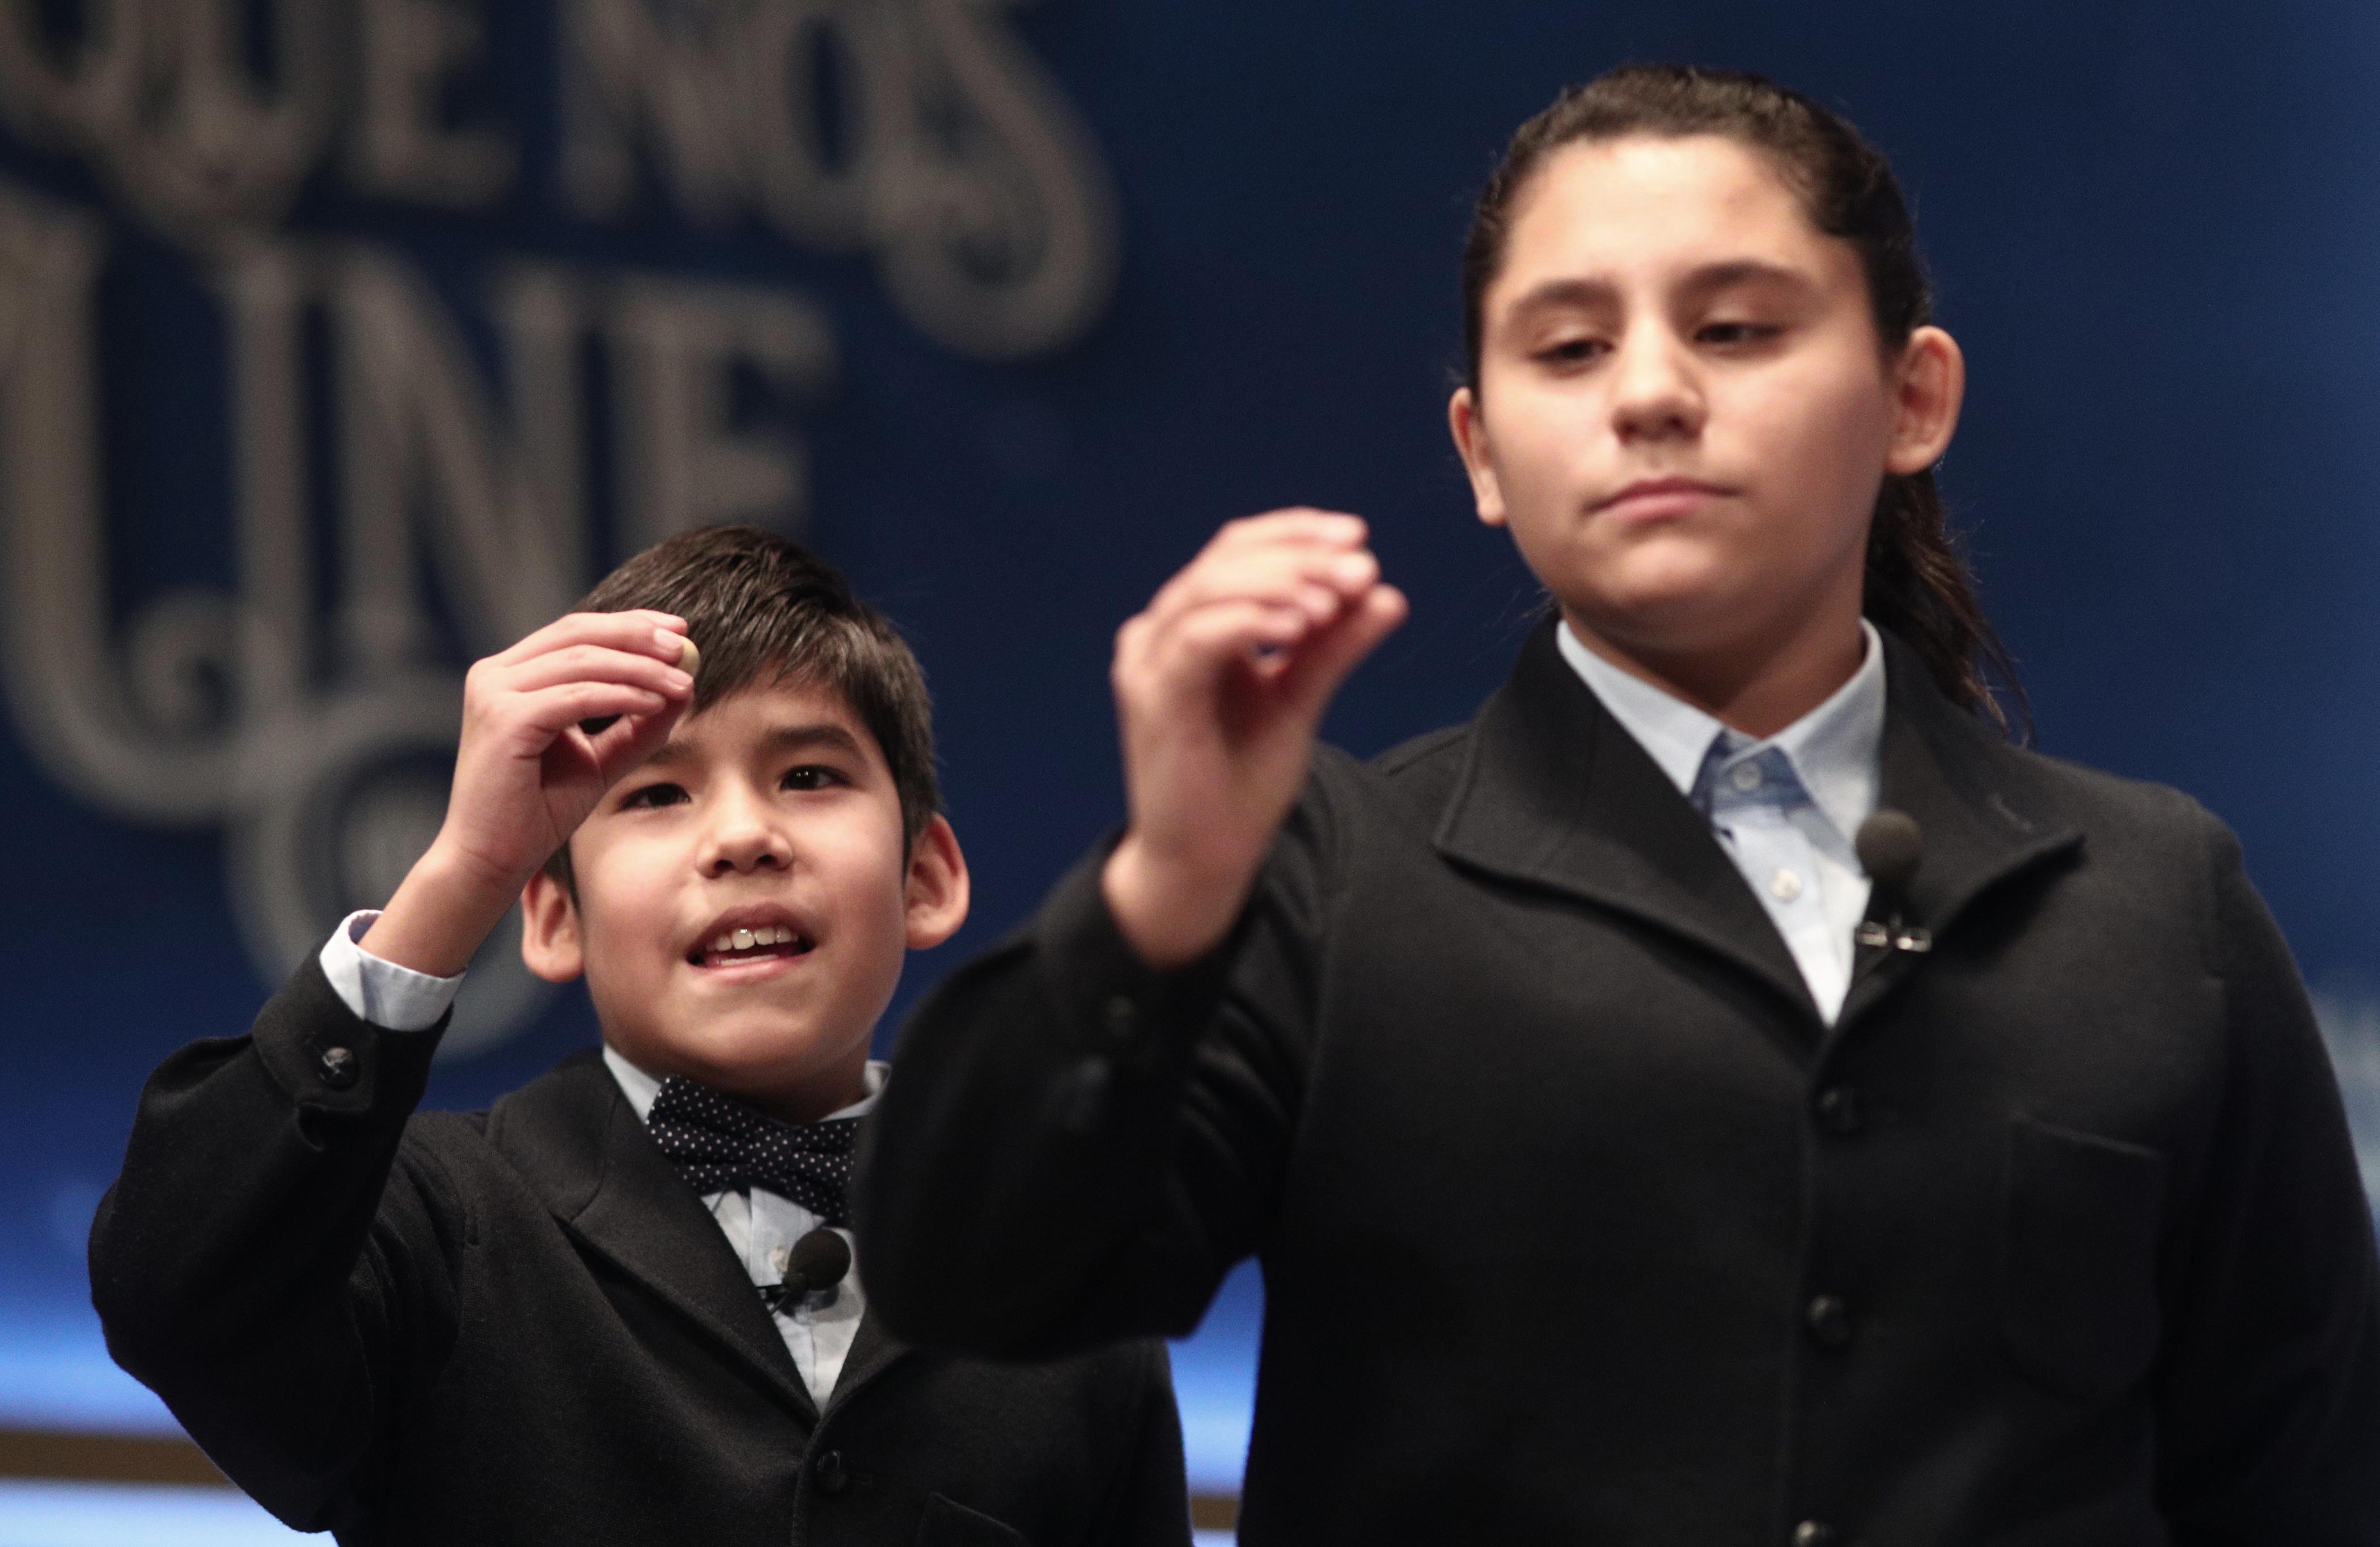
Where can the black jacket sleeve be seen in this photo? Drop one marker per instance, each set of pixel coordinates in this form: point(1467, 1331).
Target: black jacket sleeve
point(2268, 1383)
point(270, 1258)
point(1078, 1149)
point(1148, 1503)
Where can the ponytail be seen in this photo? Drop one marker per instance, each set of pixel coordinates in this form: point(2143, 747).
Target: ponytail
point(1920, 588)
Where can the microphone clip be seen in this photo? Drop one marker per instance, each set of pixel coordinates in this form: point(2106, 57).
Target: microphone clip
point(783, 1299)
point(1896, 935)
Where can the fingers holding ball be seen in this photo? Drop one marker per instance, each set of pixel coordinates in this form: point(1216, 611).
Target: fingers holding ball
point(689, 661)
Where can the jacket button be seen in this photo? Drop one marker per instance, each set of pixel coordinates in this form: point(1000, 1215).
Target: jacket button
point(1122, 1018)
point(1080, 1101)
point(1831, 1320)
point(1838, 1109)
point(339, 1066)
point(829, 1470)
point(1816, 1533)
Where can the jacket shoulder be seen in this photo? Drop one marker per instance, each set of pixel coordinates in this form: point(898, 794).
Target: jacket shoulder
point(2140, 839)
point(1418, 775)
point(1423, 754)
point(455, 1156)
point(2110, 809)
point(446, 1134)
point(444, 1167)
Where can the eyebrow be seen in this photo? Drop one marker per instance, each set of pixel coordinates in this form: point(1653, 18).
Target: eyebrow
point(1556, 294)
point(823, 733)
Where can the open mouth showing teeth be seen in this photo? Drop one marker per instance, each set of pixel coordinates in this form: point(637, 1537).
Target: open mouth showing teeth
point(753, 944)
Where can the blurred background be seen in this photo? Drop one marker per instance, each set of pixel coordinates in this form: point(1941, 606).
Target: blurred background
point(343, 343)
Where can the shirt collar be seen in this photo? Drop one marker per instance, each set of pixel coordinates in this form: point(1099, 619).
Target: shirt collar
point(641, 1088)
point(1836, 749)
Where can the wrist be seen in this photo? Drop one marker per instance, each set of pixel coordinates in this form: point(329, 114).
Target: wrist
point(1169, 915)
point(446, 906)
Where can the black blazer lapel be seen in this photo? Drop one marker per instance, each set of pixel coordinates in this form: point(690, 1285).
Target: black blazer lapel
point(573, 1135)
point(872, 1349)
point(1979, 806)
point(1558, 794)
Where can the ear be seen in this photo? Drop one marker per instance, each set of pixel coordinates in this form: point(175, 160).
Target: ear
point(1470, 442)
point(551, 944)
point(934, 898)
point(1933, 382)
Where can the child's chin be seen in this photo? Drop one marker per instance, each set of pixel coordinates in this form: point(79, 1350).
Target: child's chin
point(756, 1051)
point(1658, 604)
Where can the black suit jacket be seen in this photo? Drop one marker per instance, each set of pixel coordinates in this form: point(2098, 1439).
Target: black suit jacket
point(521, 1326)
point(1579, 1224)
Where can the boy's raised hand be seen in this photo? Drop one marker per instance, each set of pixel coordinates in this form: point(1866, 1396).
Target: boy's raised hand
point(525, 775)
point(1221, 687)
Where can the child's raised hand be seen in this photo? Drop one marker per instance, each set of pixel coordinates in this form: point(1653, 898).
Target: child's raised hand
point(526, 775)
point(1221, 687)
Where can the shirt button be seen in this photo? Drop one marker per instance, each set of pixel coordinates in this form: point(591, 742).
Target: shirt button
point(339, 1066)
point(780, 1257)
point(1838, 1109)
point(1814, 1533)
point(1831, 1320)
point(1123, 1017)
point(1746, 776)
point(1784, 885)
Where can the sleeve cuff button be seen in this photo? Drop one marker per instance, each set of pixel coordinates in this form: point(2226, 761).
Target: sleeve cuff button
point(340, 1068)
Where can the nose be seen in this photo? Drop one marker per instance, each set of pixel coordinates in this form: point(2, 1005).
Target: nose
point(1655, 392)
point(742, 836)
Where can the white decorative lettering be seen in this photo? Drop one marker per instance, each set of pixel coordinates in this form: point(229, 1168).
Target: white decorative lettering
point(126, 725)
point(404, 147)
point(677, 345)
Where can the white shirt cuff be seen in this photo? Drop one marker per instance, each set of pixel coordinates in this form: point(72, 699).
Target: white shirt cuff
point(392, 997)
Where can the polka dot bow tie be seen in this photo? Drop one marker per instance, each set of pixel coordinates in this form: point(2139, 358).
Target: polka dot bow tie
point(719, 1144)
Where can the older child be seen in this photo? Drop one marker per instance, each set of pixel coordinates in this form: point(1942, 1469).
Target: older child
point(612, 1308)
point(1628, 1163)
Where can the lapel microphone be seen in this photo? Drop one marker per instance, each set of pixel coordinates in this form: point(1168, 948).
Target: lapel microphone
point(1889, 844)
point(818, 1261)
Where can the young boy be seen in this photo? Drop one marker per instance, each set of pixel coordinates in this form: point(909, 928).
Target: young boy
point(568, 1318)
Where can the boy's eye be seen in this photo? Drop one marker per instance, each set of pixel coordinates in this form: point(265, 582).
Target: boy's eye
point(653, 795)
point(812, 775)
point(1570, 351)
point(1725, 333)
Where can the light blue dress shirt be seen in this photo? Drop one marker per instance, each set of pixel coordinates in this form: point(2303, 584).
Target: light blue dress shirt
point(1785, 809)
point(761, 1225)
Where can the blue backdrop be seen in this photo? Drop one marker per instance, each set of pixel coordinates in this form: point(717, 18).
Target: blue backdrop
point(340, 344)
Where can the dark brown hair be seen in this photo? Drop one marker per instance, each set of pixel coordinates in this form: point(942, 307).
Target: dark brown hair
point(1919, 584)
point(766, 609)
